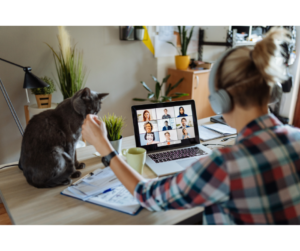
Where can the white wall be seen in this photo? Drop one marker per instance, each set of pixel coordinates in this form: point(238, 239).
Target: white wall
point(113, 66)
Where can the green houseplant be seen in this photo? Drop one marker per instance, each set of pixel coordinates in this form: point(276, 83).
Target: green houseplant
point(139, 32)
point(182, 61)
point(155, 97)
point(114, 126)
point(69, 65)
point(44, 95)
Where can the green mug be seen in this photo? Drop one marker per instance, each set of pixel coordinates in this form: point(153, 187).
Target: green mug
point(136, 158)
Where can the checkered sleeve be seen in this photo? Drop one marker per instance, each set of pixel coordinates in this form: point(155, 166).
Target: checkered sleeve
point(202, 184)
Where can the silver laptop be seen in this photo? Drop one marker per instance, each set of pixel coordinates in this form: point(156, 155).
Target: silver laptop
point(169, 133)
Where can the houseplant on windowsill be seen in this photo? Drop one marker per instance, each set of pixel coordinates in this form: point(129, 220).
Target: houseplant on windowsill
point(155, 97)
point(114, 126)
point(139, 32)
point(69, 65)
point(44, 95)
point(182, 61)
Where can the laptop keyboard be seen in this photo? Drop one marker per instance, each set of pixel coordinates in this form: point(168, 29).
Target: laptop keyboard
point(176, 154)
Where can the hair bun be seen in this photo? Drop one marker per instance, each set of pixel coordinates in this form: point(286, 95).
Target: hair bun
point(270, 55)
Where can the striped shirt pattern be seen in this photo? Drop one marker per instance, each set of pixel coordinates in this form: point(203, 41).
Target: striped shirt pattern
point(255, 181)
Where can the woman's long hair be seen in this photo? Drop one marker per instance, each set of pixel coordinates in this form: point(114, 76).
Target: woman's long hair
point(249, 74)
point(144, 118)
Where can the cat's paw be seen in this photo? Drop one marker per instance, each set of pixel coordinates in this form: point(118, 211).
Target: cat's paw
point(67, 182)
point(76, 174)
point(80, 166)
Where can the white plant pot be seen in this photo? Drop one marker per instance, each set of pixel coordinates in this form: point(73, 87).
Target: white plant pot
point(117, 145)
point(139, 33)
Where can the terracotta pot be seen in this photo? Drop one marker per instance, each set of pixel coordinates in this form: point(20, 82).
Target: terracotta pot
point(44, 101)
point(182, 62)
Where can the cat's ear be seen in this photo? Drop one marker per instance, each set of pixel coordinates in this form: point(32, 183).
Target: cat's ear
point(86, 94)
point(102, 96)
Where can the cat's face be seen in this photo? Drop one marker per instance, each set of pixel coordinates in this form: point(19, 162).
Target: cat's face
point(88, 102)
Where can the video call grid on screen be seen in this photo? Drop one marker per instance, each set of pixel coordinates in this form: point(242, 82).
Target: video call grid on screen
point(164, 126)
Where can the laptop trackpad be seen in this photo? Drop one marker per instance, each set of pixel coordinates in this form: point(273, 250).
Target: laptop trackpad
point(187, 162)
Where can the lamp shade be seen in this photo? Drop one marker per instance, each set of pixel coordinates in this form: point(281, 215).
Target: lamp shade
point(32, 81)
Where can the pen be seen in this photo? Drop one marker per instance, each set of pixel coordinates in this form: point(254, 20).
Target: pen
point(108, 190)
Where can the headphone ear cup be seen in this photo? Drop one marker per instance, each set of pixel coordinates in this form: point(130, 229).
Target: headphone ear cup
point(220, 101)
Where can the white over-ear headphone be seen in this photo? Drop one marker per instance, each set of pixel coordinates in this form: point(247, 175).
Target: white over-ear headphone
point(220, 100)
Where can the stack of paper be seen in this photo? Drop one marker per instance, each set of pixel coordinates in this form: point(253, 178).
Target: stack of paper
point(103, 188)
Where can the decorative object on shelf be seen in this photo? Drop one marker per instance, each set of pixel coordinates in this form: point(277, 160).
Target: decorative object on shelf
point(139, 32)
point(155, 97)
point(69, 65)
point(126, 32)
point(30, 81)
point(182, 61)
point(44, 95)
point(114, 126)
point(192, 65)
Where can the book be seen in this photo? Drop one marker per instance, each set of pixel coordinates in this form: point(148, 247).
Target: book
point(103, 188)
point(214, 131)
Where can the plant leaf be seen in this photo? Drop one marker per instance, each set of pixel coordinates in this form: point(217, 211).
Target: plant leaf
point(151, 95)
point(189, 38)
point(146, 86)
point(154, 78)
point(165, 79)
point(168, 89)
point(157, 90)
point(165, 98)
point(172, 44)
point(174, 86)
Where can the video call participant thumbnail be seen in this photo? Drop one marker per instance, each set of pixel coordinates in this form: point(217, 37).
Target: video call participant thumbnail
point(150, 138)
point(166, 115)
point(181, 112)
point(167, 127)
point(183, 123)
point(146, 116)
point(148, 127)
point(185, 134)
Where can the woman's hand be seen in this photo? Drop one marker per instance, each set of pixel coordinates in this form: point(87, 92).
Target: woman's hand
point(94, 131)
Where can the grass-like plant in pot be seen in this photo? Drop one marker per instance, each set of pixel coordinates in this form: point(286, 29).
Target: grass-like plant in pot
point(114, 126)
point(155, 97)
point(69, 65)
point(182, 61)
point(44, 95)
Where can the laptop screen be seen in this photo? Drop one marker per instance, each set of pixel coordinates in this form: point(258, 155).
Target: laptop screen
point(165, 125)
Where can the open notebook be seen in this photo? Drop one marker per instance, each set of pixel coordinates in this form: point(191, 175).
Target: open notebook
point(103, 188)
point(214, 131)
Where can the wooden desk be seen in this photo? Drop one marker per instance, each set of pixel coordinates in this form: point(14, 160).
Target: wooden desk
point(28, 205)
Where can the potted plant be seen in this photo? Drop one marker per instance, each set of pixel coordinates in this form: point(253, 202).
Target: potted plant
point(182, 61)
point(139, 32)
point(114, 126)
point(155, 97)
point(69, 65)
point(44, 95)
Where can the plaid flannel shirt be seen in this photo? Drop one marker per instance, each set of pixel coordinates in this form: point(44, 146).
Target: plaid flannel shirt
point(255, 181)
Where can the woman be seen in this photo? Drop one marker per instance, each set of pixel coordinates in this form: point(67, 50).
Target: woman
point(181, 112)
point(255, 181)
point(185, 134)
point(167, 136)
point(150, 138)
point(148, 127)
point(146, 116)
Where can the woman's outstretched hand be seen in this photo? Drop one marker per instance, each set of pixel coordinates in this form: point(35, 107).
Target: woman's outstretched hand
point(94, 132)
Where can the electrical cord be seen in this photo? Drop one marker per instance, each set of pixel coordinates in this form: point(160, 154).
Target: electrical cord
point(8, 166)
point(223, 140)
point(213, 145)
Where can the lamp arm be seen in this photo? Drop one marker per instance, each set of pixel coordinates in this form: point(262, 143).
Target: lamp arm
point(24, 68)
point(11, 108)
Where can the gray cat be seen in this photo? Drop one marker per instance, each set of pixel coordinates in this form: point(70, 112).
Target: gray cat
point(48, 156)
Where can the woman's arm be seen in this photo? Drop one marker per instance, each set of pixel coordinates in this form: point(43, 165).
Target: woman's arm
point(94, 131)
